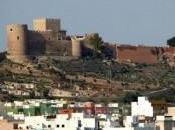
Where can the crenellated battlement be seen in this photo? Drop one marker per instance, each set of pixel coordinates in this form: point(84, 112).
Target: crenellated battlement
point(17, 25)
point(39, 31)
point(52, 19)
point(44, 24)
point(11, 27)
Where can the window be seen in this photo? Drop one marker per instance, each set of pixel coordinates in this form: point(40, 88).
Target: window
point(63, 126)
point(58, 126)
point(11, 29)
point(17, 37)
point(49, 126)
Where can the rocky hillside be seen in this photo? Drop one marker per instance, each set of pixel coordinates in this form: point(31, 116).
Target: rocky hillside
point(90, 77)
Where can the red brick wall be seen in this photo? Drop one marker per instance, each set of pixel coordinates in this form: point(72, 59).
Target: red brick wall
point(138, 54)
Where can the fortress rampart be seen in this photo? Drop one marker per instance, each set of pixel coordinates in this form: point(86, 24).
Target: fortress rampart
point(143, 54)
point(48, 39)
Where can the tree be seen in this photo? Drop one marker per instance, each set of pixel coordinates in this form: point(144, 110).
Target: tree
point(171, 42)
point(96, 42)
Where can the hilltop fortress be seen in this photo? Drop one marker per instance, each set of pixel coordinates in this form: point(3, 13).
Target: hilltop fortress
point(47, 38)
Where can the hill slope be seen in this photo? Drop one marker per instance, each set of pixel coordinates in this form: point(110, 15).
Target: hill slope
point(89, 78)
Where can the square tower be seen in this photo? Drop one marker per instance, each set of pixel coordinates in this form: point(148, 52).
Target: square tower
point(44, 24)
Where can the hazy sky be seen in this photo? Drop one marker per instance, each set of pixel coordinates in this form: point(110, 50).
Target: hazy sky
point(149, 22)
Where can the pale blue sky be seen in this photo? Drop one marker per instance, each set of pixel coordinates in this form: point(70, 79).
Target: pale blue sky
point(149, 22)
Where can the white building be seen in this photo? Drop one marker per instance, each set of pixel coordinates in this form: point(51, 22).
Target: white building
point(142, 108)
point(60, 122)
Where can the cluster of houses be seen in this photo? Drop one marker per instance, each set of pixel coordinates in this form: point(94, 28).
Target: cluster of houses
point(42, 114)
point(18, 89)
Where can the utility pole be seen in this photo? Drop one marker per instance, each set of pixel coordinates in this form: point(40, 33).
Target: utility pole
point(109, 76)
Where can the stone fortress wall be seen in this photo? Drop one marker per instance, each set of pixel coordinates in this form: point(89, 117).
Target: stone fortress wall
point(48, 39)
point(145, 54)
point(138, 54)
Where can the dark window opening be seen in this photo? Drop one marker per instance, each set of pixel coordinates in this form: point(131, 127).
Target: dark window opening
point(49, 126)
point(11, 29)
point(58, 126)
point(17, 37)
point(62, 126)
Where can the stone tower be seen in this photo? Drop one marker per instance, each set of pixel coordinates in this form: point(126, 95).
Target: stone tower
point(17, 40)
point(44, 24)
point(76, 45)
